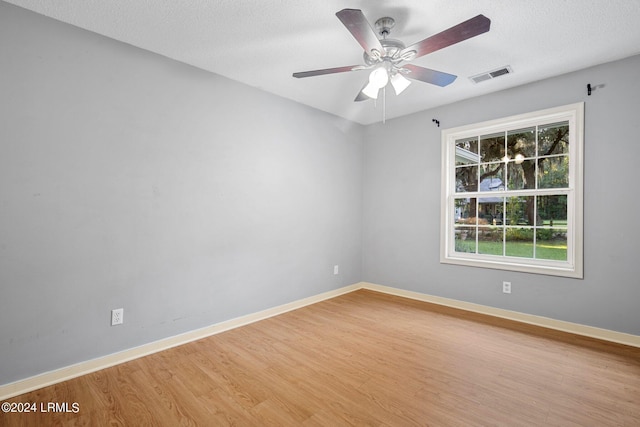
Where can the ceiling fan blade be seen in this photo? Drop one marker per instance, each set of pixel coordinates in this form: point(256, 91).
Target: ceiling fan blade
point(427, 75)
point(359, 27)
point(327, 71)
point(463, 31)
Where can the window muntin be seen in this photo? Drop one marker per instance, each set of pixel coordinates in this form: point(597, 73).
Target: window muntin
point(512, 193)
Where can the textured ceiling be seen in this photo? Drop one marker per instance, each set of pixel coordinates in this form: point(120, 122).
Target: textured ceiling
point(261, 43)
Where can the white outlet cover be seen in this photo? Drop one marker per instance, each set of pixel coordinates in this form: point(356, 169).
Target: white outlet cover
point(117, 316)
point(506, 287)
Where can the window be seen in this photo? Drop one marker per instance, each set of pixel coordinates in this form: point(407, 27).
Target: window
point(512, 193)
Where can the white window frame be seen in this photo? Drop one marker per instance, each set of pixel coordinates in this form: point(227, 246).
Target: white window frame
point(573, 267)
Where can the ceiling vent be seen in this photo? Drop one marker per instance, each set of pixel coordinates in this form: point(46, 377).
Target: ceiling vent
point(491, 74)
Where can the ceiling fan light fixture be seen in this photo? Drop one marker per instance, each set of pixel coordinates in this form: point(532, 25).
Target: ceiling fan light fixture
point(399, 83)
point(379, 77)
point(371, 91)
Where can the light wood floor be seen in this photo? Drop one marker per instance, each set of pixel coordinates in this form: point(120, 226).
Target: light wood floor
point(363, 358)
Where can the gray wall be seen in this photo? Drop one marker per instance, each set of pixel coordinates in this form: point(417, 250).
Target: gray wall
point(401, 222)
point(130, 180)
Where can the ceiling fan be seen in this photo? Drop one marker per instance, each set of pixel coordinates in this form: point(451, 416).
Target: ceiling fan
point(386, 57)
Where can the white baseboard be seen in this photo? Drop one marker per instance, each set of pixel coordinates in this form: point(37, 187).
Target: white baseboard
point(546, 322)
point(83, 368)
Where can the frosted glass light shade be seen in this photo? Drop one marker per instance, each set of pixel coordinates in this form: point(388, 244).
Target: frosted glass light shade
point(371, 90)
point(399, 83)
point(379, 77)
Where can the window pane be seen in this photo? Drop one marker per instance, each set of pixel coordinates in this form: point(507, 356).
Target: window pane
point(520, 210)
point(553, 139)
point(552, 211)
point(492, 177)
point(521, 142)
point(465, 211)
point(490, 240)
point(467, 151)
point(521, 175)
point(492, 147)
point(551, 243)
point(553, 172)
point(491, 210)
point(466, 179)
point(465, 239)
point(519, 242)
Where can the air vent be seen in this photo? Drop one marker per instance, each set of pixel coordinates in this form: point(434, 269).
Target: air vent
point(491, 74)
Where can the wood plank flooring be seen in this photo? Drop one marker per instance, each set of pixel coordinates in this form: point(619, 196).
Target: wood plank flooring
point(364, 358)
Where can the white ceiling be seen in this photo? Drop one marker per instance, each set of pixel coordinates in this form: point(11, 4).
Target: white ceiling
point(261, 43)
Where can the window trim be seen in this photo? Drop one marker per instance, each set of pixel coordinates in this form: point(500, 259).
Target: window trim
point(573, 267)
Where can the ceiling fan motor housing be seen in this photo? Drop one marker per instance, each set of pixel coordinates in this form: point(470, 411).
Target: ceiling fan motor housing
point(392, 49)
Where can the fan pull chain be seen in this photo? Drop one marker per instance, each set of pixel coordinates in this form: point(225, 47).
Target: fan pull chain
point(384, 104)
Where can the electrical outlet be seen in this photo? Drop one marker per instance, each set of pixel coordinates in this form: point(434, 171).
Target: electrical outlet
point(336, 269)
point(117, 316)
point(506, 287)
